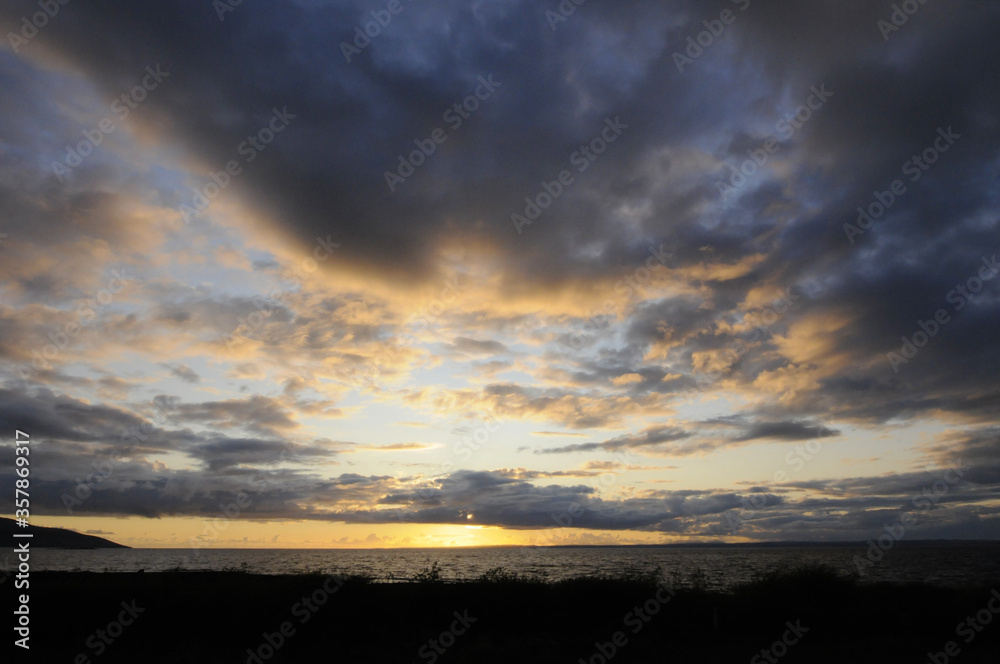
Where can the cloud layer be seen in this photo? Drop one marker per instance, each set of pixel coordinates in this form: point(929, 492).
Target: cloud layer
point(620, 226)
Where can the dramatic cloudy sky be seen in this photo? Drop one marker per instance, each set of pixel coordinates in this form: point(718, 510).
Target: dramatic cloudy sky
point(227, 286)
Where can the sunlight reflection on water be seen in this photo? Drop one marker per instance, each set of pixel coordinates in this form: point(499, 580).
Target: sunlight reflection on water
point(718, 568)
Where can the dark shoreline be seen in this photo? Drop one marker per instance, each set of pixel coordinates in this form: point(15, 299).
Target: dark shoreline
point(218, 616)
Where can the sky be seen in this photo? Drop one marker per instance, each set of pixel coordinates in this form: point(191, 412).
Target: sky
point(400, 274)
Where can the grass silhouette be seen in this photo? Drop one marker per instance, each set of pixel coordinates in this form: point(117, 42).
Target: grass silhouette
point(218, 616)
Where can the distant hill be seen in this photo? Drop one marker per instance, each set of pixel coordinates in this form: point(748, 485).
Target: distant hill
point(56, 538)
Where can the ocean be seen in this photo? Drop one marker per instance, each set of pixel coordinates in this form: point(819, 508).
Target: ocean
point(952, 564)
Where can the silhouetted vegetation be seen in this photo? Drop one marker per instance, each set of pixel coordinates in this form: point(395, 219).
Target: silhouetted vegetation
point(218, 616)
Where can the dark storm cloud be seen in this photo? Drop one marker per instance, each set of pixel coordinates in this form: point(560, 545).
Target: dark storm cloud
point(219, 313)
point(653, 436)
point(256, 413)
point(843, 509)
point(73, 434)
point(890, 100)
point(469, 346)
point(673, 320)
point(657, 439)
point(489, 498)
point(184, 372)
point(977, 450)
point(976, 446)
point(227, 452)
point(46, 414)
point(324, 176)
point(787, 430)
point(953, 501)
